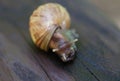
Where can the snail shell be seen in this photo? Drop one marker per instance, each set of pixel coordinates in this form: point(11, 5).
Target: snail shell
point(45, 20)
point(45, 25)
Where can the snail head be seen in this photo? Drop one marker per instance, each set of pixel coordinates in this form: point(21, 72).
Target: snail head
point(62, 47)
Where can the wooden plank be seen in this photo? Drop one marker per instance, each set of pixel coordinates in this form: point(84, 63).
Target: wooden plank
point(23, 62)
point(99, 42)
point(54, 68)
point(17, 64)
point(98, 46)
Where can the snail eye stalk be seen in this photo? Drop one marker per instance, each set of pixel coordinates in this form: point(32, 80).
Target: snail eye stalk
point(54, 50)
point(64, 57)
point(75, 40)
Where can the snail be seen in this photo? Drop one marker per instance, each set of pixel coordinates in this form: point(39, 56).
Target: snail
point(49, 29)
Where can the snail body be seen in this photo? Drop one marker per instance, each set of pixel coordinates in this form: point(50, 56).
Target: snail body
point(48, 26)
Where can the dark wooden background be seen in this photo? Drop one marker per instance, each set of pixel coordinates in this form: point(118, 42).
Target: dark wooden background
point(98, 55)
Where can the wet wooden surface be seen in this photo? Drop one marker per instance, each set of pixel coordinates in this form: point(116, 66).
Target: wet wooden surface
point(98, 55)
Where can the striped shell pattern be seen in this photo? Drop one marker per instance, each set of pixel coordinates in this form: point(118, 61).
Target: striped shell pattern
point(45, 20)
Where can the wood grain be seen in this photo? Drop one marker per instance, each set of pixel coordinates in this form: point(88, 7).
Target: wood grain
point(98, 52)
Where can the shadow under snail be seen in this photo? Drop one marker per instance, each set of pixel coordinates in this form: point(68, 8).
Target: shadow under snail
point(49, 29)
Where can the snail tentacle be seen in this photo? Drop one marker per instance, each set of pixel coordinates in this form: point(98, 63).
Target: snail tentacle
point(54, 50)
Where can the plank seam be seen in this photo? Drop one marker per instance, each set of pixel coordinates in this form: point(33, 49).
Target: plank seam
point(19, 30)
point(34, 55)
point(89, 71)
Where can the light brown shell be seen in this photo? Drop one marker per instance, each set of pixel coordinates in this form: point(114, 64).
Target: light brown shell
point(45, 20)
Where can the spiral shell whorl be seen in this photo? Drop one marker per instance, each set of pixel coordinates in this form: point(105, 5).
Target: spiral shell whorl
point(45, 20)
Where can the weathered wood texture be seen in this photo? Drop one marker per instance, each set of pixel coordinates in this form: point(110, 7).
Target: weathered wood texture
point(98, 54)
